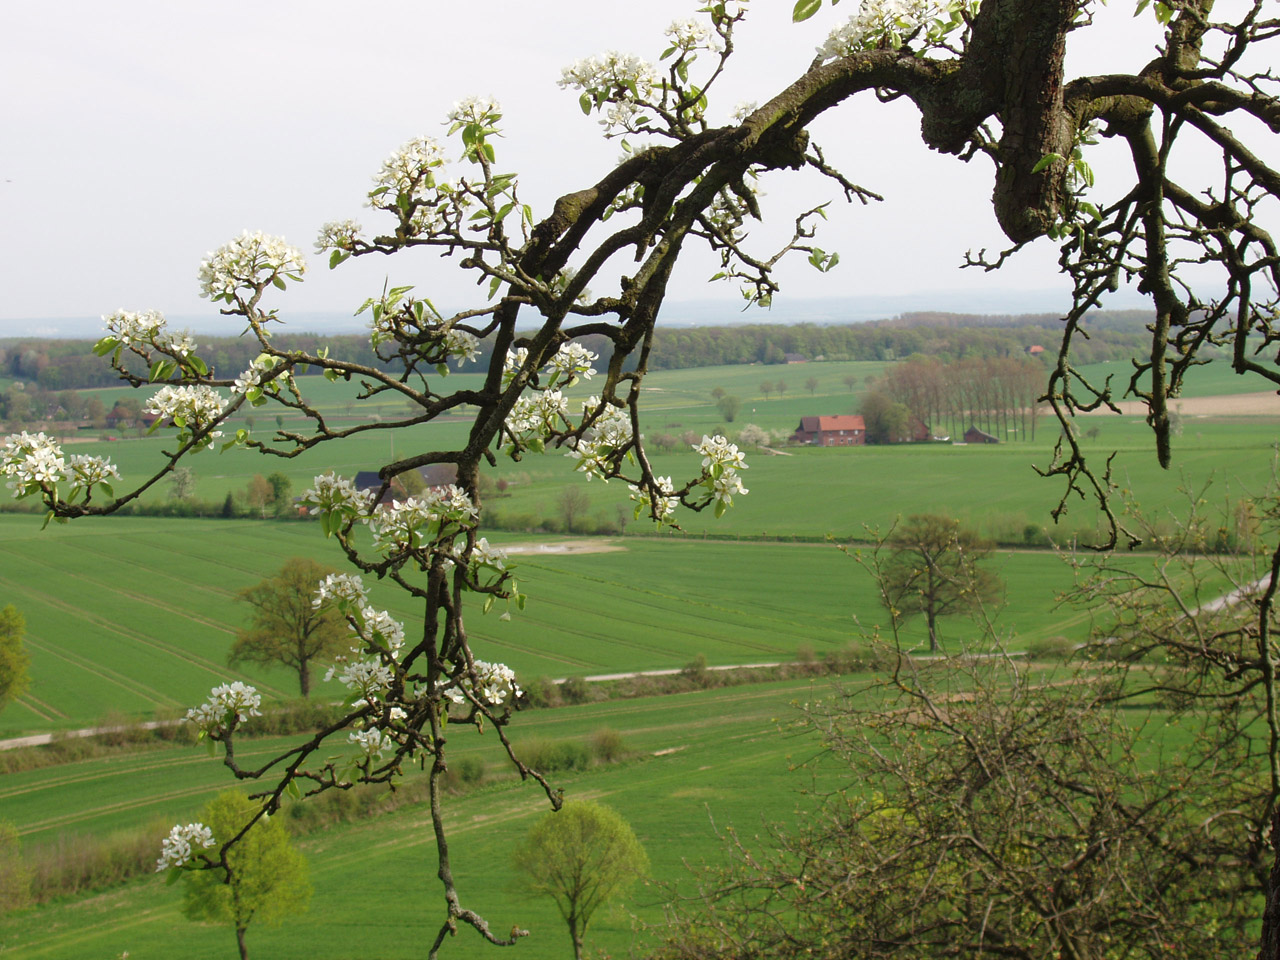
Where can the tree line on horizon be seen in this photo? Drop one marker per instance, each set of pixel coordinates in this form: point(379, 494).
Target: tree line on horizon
point(56, 365)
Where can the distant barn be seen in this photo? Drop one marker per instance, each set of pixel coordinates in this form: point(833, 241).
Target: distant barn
point(846, 430)
point(974, 435)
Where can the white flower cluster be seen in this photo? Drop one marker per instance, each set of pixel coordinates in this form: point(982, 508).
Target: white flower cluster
point(689, 34)
point(85, 470)
point(571, 361)
point(482, 554)
point(475, 110)
point(408, 524)
point(144, 329)
point(610, 433)
point(744, 109)
point(369, 677)
point(347, 589)
point(191, 408)
point(497, 685)
point(227, 704)
point(513, 363)
point(623, 81)
point(247, 261)
point(666, 502)
point(534, 417)
point(33, 461)
point(380, 628)
point(250, 384)
point(408, 173)
point(337, 235)
point(458, 343)
point(179, 846)
point(879, 22)
point(374, 743)
point(335, 500)
point(721, 461)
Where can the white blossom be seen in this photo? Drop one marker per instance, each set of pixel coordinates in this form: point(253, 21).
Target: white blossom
point(408, 523)
point(179, 846)
point(230, 700)
point(370, 677)
point(408, 171)
point(32, 461)
point(876, 22)
point(573, 360)
point(537, 415)
point(610, 433)
point(497, 685)
point(337, 235)
point(513, 363)
point(619, 80)
point(718, 451)
point(689, 34)
point(342, 587)
point(460, 344)
point(135, 329)
point(247, 261)
point(379, 625)
point(330, 494)
point(475, 110)
point(374, 743)
point(195, 406)
point(86, 470)
point(666, 503)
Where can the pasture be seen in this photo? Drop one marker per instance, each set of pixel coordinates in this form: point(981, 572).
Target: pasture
point(135, 616)
point(724, 756)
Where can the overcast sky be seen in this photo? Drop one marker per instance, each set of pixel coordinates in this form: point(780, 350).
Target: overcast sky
point(139, 135)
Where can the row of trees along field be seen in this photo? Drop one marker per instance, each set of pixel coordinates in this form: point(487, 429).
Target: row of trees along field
point(996, 394)
point(56, 365)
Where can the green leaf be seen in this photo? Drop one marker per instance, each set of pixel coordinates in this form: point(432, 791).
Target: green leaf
point(278, 282)
point(197, 365)
point(586, 103)
point(720, 509)
point(1046, 160)
point(494, 284)
point(804, 9)
point(336, 257)
point(174, 872)
point(291, 788)
point(105, 346)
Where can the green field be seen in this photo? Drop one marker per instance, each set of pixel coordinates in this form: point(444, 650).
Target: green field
point(723, 758)
point(133, 617)
point(136, 615)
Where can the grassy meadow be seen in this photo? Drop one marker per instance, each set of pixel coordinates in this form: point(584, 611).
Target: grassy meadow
point(132, 617)
point(700, 762)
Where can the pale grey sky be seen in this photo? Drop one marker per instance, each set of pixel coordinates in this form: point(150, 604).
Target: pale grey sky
point(139, 135)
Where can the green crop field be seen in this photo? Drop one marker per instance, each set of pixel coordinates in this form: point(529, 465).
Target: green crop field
point(136, 615)
point(704, 761)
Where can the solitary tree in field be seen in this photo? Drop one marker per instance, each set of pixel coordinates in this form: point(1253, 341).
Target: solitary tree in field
point(581, 856)
point(287, 628)
point(766, 388)
point(262, 878)
point(935, 569)
point(811, 385)
point(572, 504)
point(182, 483)
point(990, 85)
point(729, 407)
point(14, 659)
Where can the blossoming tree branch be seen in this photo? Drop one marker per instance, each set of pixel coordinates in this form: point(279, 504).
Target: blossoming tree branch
point(989, 83)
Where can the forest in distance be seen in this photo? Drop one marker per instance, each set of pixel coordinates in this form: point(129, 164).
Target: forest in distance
point(54, 364)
